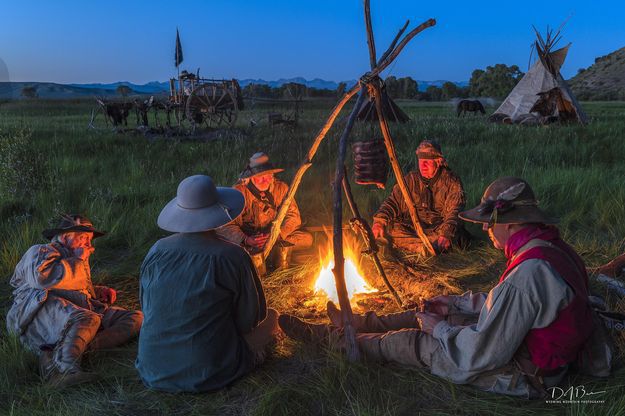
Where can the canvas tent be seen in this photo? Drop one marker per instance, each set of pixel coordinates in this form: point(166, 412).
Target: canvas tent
point(392, 112)
point(542, 94)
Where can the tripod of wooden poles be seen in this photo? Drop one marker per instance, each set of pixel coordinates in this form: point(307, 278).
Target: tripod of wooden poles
point(365, 87)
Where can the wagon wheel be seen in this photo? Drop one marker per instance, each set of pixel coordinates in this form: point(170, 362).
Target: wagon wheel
point(211, 105)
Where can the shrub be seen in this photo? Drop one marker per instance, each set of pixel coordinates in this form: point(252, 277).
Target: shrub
point(23, 169)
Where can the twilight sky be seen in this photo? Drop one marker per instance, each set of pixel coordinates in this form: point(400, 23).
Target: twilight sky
point(79, 41)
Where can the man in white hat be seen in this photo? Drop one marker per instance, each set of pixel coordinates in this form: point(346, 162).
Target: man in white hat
point(263, 195)
point(206, 320)
point(518, 339)
point(58, 312)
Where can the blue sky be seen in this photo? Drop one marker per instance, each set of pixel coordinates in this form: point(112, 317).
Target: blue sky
point(97, 41)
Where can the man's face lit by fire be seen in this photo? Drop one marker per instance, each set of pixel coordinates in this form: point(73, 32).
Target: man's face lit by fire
point(498, 234)
point(75, 240)
point(429, 167)
point(262, 182)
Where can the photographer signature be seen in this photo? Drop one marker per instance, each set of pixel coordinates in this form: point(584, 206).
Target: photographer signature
point(572, 393)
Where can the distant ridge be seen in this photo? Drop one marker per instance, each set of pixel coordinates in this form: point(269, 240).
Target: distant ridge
point(52, 90)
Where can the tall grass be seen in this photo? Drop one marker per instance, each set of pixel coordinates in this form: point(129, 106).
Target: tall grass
point(122, 181)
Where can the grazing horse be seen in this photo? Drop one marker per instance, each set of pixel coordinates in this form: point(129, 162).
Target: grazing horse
point(469, 105)
point(116, 113)
point(141, 110)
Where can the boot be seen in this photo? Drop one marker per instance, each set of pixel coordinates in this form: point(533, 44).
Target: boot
point(372, 322)
point(60, 381)
point(334, 313)
point(299, 330)
point(77, 334)
point(57, 379)
point(284, 257)
point(259, 264)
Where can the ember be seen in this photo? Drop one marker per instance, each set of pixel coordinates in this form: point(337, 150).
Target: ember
point(354, 281)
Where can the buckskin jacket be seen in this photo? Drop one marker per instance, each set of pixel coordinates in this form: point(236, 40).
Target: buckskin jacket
point(259, 212)
point(438, 201)
point(45, 268)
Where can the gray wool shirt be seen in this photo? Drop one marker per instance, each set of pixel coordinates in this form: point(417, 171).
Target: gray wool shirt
point(530, 297)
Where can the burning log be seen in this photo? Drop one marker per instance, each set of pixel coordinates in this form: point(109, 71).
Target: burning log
point(358, 223)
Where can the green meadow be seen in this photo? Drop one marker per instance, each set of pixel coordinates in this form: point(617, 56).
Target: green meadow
point(51, 163)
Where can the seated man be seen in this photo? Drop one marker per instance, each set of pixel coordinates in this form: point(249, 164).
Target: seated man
point(438, 195)
point(206, 322)
point(57, 312)
point(263, 195)
point(533, 323)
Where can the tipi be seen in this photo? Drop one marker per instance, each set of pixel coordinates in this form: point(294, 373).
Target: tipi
point(392, 112)
point(542, 94)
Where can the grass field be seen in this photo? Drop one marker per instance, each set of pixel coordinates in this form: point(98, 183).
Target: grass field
point(50, 163)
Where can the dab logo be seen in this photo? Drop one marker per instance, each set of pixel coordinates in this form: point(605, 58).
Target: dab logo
point(573, 394)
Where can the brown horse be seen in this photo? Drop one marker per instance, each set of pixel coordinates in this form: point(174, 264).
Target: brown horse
point(469, 105)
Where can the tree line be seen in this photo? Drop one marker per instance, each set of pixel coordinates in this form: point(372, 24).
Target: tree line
point(494, 81)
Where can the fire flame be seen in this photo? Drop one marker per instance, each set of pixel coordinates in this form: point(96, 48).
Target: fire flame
point(354, 281)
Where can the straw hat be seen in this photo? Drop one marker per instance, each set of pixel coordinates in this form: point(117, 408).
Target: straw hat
point(200, 206)
point(258, 164)
point(72, 223)
point(508, 200)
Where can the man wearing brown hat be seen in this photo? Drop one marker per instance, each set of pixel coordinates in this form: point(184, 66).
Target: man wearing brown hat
point(206, 319)
point(518, 339)
point(57, 311)
point(438, 195)
point(263, 195)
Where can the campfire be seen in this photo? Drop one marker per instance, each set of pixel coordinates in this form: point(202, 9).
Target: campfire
point(354, 281)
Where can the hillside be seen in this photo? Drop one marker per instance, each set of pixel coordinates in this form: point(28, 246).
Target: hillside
point(604, 80)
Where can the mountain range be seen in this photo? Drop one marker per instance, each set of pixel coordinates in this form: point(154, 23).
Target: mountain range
point(54, 90)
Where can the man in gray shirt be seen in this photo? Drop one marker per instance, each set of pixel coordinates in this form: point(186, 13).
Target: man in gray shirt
point(517, 339)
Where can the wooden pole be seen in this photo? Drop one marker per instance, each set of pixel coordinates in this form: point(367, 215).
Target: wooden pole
point(339, 260)
point(370, 38)
point(307, 163)
point(388, 141)
point(399, 175)
point(388, 58)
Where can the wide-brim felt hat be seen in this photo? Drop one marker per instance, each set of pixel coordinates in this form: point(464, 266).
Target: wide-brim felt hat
point(508, 200)
point(199, 206)
point(72, 223)
point(429, 149)
point(258, 164)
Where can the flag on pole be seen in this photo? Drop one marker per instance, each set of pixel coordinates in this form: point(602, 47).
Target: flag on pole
point(179, 57)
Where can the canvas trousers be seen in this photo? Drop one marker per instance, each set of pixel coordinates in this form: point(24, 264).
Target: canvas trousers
point(71, 329)
point(405, 238)
point(396, 338)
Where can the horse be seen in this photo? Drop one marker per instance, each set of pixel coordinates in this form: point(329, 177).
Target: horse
point(469, 105)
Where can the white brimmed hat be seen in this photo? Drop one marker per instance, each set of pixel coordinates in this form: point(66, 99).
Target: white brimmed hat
point(200, 206)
